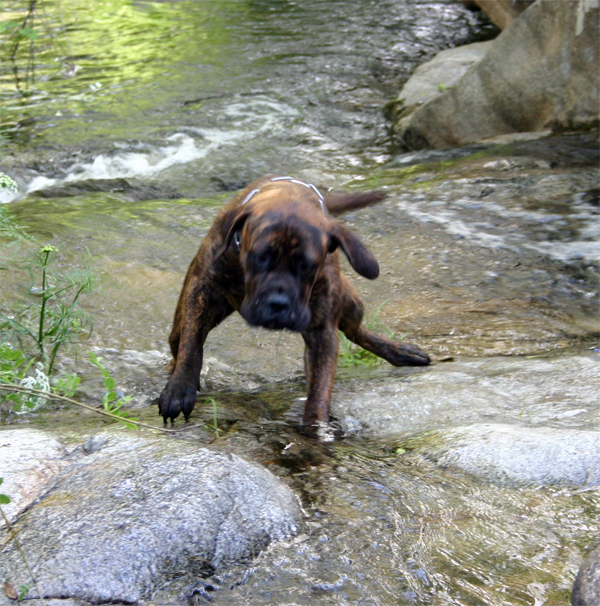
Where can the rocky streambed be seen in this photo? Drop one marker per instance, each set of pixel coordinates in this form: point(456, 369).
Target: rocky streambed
point(473, 481)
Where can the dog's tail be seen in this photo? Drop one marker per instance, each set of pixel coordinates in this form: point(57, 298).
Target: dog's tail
point(343, 202)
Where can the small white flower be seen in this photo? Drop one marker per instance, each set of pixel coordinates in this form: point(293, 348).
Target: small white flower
point(40, 381)
point(8, 183)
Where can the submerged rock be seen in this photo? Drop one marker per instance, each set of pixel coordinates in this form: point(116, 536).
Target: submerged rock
point(561, 392)
point(123, 521)
point(516, 454)
point(540, 73)
point(129, 189)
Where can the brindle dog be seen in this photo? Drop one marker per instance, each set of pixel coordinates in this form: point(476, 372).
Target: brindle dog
point(271, 255)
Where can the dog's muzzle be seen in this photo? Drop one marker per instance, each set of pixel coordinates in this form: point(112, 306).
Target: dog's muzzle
point(276, 308)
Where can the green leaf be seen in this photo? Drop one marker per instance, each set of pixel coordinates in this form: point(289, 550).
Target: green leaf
point(23, 591)
point(8, 26)
point(109, 383)
point(7, 353)
point(29, 33)
point(4, 500)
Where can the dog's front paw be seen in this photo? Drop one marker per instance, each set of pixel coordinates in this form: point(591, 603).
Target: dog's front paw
point(406, 354)
point(177, 398)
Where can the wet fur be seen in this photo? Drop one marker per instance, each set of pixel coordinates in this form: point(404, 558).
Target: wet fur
point(285, 222)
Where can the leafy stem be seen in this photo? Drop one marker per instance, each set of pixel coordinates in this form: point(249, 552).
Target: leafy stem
point(112, 400)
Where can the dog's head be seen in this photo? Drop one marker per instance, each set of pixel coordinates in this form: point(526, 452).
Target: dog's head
point(283, 243)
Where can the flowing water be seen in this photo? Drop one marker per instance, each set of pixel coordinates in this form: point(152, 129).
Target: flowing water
point(141, 118)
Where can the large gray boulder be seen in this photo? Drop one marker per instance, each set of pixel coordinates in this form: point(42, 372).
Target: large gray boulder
point(434, 78)
point(137, 512)
point(541, 72)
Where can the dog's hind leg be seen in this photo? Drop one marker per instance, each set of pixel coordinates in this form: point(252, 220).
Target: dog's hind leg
point(394, 352)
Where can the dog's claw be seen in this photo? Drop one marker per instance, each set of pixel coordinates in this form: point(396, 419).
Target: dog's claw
point(176, 399)
point(410, 355)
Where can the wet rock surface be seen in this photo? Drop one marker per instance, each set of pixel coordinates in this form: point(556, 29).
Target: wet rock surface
point(129, 189)
point(586, 591)
point(517, 454)
point(559, 392)
point(122, 521)
point(29, 460)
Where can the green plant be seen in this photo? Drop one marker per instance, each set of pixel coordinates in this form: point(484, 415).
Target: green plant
point(66, 385)
point(112, 400)
point(14, 370)
point(39, 327)
point(53, 319)
point(353, 355)
point(4, 500)
point(214, 425)
point(14, 365)
point(23, 591)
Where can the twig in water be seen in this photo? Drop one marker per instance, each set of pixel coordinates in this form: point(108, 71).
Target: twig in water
point(52, 396)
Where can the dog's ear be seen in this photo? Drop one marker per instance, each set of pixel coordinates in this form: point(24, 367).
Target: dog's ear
point(360, 257)
point(232, 225)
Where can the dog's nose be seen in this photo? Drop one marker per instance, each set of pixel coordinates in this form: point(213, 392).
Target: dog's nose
point(278, 301)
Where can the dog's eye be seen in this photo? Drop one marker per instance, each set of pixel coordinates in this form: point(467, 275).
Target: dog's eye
point(261, 260)
point(303, 267)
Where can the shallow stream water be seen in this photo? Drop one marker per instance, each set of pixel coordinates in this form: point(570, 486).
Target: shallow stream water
point(126, 151)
